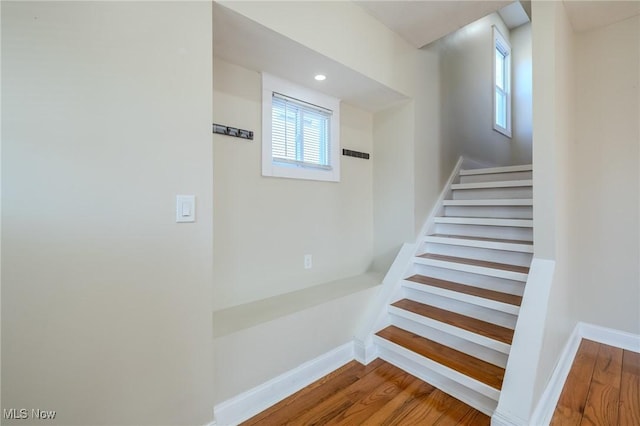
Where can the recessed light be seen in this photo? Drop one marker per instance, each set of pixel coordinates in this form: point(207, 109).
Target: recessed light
point(320, 77)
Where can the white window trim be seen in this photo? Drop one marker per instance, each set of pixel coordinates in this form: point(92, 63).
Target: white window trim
point(498, 39)
point(272, 84)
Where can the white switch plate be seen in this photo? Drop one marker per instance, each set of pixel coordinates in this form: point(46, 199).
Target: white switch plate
point(308, 261)
point(185, 208)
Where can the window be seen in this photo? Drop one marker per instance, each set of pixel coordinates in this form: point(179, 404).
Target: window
point(502, 82)
point(300, 129)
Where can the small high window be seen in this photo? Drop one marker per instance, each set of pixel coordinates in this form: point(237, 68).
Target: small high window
point(300, 132)
point(502, 82)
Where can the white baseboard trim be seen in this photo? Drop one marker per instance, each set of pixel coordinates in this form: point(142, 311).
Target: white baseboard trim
point(364, 352)
point(609, 336)
point(546, 406)
point(549, 398)
point(246, 405)
point(502, 419)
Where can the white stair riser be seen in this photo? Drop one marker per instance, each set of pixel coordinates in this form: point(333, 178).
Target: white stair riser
point(489, 315)
point(481, 352)
point(385, 347)
point(490, 202)
point(498, 212)
point(474, 399)
point(462, 297)
point(496, 177)
point(474, 269)
point(484, 231)
point(484, 221)
point(492, 193)
point(500, 185)
point(480, 281)
point(499, 169)
point(500, 256)
point(470, 242)
point(397, 314)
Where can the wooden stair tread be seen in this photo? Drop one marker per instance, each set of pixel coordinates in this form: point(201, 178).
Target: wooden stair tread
point(475, 262)
point(473, 325)
point(475, 368)
point(493, 240)
point(497, 296)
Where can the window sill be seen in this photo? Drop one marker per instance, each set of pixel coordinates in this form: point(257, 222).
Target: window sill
point(502, 131)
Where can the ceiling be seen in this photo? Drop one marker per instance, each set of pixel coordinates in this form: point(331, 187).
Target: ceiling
point(422, 22)
point(244, 42)
point(588, 15)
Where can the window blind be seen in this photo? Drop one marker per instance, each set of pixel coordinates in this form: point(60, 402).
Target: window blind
point(300, 133)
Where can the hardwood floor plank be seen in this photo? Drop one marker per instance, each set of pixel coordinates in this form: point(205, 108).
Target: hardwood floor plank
point(510, 299)
point(474, 262)
point(401, 404)
point(482, 371)
point(428, 411)
point(604, 393)
point(571, 403)
point(372, 401)
point(629, 407)
point(483, 328)
point(336, 404)
point(456, 412)
point(309, 396)
point(343, 376)
point(475, 418)
point(382, 395)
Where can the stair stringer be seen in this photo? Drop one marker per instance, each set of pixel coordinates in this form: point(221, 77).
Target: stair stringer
point(518, 399)
point(377, 316)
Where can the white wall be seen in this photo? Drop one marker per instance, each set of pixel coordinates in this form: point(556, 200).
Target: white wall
point(252, 356)
point(522, 106)
point(466, 59)
point(597, 187)
point(393, 182)
point(106, 301)
point(342, 31)
point(434, 157)
point(586, 185)
point(605, 195)
point(409, 156)
point(265, 226)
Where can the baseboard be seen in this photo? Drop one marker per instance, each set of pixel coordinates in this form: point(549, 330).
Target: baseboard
point(546, 406)
point(549, 398)
point(610, 336)
point(246, 405)
point(364, 352)
point(502, 419)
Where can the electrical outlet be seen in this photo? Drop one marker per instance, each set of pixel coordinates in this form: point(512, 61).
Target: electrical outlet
point(308, 261)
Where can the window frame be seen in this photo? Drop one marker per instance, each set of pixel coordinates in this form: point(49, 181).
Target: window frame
point(502, 44)
point(283, 169)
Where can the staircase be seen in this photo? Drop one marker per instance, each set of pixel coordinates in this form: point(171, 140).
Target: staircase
point(452, 318)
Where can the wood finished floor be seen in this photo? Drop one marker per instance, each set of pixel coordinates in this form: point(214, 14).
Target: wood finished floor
point(603, 388)
point(377, 394)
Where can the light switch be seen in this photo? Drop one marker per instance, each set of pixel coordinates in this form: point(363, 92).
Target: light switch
point(185, 208)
